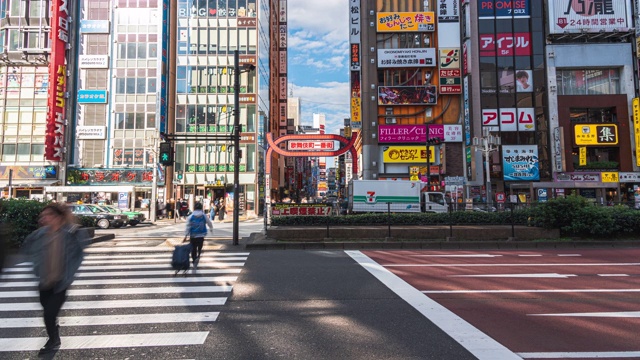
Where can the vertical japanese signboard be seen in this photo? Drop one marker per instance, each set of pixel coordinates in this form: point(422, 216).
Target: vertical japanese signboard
point(56, 117)
point(282, 48)
point(354, 40)
point(636, 127)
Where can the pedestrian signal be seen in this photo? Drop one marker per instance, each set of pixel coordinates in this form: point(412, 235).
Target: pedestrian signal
point(166, 154)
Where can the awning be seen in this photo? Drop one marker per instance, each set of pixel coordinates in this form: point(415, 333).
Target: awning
point(97, 188)
point(19, 183)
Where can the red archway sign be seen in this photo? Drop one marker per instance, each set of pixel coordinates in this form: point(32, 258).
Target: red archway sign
point(274, 146)
point(347, 146)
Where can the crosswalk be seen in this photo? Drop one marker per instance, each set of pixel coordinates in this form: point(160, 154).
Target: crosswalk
point(123, 297)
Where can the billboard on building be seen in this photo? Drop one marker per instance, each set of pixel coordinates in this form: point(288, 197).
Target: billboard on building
point(408, 154)
point(93, 61)
point(94, 26)
point(416, 133)
point(448, 23)
point(407, 95)
point(421, 57)
point(56, 117)
point(589, 16)
point(92, 96)
point(505, 44)
point(406, 21)
point(503, 9)
point(509, 119)
point(591, 134)
point(520, 163)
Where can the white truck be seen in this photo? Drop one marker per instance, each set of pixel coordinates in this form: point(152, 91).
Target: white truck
point(395, 196)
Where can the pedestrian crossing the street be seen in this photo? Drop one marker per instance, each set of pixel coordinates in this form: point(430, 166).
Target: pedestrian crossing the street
point(121, 299)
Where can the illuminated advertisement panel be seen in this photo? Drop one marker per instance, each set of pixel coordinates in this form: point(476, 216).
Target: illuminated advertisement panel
point(408, 154)
point(56, 118)
point(503, 9)
point(589, 16)
point(407, 95)
point(406, 21)
point(587, 134)
point(505, 44)
point(520, 162)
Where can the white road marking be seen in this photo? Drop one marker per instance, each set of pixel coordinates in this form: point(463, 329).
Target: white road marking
point(176, 279)
point(124, 291)
point(132, 249)
point(108, 341)
point(165, 264)
point(529, 291)
point(613, 314)
point(613, 275)
point(518, 265)
point(206, 254)
point(550, 275)
point(569, 255)
point(129, 303)
point(113, 319)
point(479, 344)
point(581, 355)
point(164, 259)
point(460, 255)
point(530, 255)
point(154, 272)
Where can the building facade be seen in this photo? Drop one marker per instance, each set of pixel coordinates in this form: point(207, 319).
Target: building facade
point(538, 80)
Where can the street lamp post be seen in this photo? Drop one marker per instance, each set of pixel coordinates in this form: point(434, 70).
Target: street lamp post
point(487, 144)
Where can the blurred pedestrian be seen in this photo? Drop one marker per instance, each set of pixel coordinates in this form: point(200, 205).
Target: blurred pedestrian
point(56, 251)
point(222, 210)
point(196, 229)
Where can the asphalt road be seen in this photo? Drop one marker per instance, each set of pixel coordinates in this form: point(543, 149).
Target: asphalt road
point(126, 303)
point(549, 304)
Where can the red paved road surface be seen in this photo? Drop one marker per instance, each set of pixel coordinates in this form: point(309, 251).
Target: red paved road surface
point(536, 303)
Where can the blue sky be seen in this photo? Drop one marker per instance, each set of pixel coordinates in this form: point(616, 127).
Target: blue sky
point(318, 45)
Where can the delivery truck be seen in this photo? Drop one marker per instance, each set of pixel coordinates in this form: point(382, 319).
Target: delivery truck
point(395, 196)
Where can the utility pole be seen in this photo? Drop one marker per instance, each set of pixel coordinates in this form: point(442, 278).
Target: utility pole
point(487, 144)
point(154, 183)
point(236, 145)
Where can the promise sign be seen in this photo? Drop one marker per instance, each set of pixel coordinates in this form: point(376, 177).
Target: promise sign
point(56, 117)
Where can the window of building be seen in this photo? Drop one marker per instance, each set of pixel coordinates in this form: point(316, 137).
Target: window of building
point(593, 115)
point(588, 81)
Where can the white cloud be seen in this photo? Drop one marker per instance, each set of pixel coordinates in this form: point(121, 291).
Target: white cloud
point(318, 43)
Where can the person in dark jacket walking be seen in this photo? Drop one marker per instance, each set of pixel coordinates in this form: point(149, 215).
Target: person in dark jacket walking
point(56, 250)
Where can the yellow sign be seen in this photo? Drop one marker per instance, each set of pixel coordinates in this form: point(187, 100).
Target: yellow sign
point(636, 127)
point(406, 21)
point(610, 177)
point(355, 110)
point(583, 155)
point(408, 154)
point(601, 134)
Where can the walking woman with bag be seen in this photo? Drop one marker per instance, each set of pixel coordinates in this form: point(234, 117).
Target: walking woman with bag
point(56, 250)
point(197, 224)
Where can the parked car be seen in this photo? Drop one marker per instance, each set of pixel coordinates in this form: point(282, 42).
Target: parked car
point(106, 208)
point(135, 217)
point(104, 219)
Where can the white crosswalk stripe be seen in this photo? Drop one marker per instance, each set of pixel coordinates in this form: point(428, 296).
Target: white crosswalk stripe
point(116, 288)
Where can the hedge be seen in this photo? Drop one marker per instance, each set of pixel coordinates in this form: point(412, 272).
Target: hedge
point(574, 215)
point(20, 217)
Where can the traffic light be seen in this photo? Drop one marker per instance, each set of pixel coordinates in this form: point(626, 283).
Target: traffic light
point(166, 154)
point(433, 141)
point(179, 175)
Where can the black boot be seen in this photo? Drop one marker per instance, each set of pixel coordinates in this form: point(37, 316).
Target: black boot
point(52, 345)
